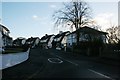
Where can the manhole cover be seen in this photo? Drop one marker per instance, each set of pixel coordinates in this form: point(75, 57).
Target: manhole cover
point(55, 60)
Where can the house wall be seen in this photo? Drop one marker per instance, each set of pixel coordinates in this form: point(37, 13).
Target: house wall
point(23, 41)
point(64, 40)
point(1, 42)
point(85, 37)
point(7, 41)
point(43, 40)
point(19, 41)
point(104, 38)
point(5, 38)
point(1, 36)
point(5, 32)
point(71, 38)
point(50, 42)
point(37, 41)
point(58, 39)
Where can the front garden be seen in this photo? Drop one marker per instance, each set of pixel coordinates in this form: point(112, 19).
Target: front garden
point(90, 48)
point(15, 49)
point(13, 55)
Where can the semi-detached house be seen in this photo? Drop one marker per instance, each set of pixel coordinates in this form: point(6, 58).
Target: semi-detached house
point(46, 41)
point(60, 40)
point(86, 35)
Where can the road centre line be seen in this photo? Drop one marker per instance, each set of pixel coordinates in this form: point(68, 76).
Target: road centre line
point(100, 74)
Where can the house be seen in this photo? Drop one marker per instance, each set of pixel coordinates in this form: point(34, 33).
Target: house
point(5, 39)
point(1, 41)
point(60, 40)
point(33, 41)
point(46, 41)
point(20, 41)
point(87, 36)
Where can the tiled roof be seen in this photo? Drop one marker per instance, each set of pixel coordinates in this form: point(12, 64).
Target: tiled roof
point(89, 30)
point(45, 37)
point(4, 27)
point(31, 39)
point(59, 35)
point(18, 39)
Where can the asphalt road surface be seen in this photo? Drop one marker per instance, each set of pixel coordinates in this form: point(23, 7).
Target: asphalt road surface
point(52, 64)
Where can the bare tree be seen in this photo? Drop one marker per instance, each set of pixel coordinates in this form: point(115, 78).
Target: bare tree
point(75, 13)
point(113, 34)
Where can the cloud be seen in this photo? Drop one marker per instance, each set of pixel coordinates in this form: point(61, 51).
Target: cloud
point(35, 17)
point(53, 6)
point(104, 20)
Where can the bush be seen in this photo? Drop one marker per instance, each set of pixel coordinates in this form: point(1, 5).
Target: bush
point(83, 46)
point(15, 49)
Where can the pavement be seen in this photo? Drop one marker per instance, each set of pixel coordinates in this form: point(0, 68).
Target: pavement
point(55, 64)
point(24, 69)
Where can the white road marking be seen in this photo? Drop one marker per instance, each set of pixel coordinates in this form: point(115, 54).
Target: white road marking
point(67, 60)
point(50, 60)
point(101, 74)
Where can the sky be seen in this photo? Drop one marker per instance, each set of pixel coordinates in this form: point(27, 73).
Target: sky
point(119, 13)
point(0, 10)
point(26, 19)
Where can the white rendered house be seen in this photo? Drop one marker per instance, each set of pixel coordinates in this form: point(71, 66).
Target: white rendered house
point(46, 41)
point(19, 41)
point(1, 41)
point(86, 34)
point(5, 39)
point(61, 39)
point(4, 35)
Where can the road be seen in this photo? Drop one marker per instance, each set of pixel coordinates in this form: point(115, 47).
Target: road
point(58, 64)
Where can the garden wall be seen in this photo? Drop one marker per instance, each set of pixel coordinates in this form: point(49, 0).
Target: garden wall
point(111, 51)
point(11, 59)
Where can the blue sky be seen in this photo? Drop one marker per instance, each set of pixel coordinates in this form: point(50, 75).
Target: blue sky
point(0, 10)
point(26, 19)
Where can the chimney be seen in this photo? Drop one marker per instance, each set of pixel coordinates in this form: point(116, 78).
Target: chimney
point(60, 32)
point(46, 34)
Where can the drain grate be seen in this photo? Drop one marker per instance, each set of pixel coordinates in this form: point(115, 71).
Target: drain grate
point(54, 60)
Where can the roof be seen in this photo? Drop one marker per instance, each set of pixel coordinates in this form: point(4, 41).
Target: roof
point(46, 37)
point(31, 39)
point(63, 34)
point(88, 30)
point(19, 39)
point(7, 36)
point(4, 27)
